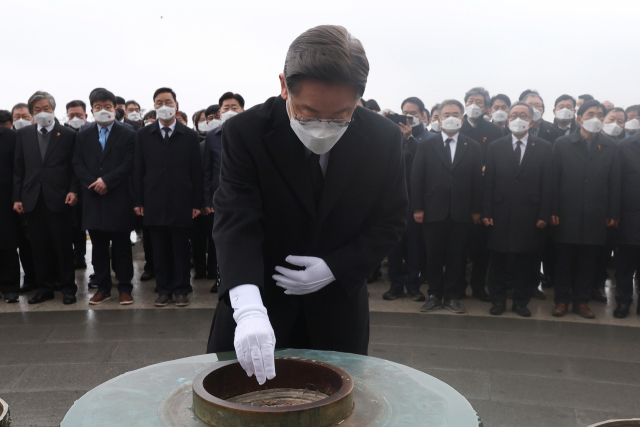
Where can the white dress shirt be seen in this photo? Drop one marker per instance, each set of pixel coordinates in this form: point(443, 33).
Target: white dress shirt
point(523, 147)
point(453, 144)
point(48, 128)
point(172, 127)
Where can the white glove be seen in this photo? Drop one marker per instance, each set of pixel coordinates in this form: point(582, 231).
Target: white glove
point(314, 277)
point(254, 339)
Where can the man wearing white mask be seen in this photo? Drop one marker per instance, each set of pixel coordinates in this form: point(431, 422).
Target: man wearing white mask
point(586, 201)
point(516, 207)
point(542, 128)
point(312, 197)
point(565, 113)
point(168, 195)
point(132, 114)
point(499, 109)
point(77, 114)
point(21, 116)
point(45, 188)
point(446, 195)
point(633, 122)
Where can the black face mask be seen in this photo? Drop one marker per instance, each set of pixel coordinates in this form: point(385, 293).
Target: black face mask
point(119, 114)
point(417, 130)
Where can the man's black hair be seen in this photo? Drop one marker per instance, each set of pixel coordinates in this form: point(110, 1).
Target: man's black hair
point(414, 100)
point(131, 102)
point(565, 98)
point(231, 95)
point(501, 97)
point(103, 95)
point(120, 100)
point(589, 104)
point(211, 109)
point(372, 104)
point(6, 116)
point(586, 97)
point(77, 103)
point(165, 90)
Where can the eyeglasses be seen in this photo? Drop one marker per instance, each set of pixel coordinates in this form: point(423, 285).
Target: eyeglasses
point(334, 123)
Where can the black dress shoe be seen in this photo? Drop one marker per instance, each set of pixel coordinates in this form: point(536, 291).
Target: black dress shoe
point(538, 294)
point(146, 276)
point(374, 277)
point(596, 295)
point(497, 309)
point(432, 304)
point(392, 294)
point(214, 289)
point(453, 305)
point(482, 296)
point(41, 297)
point(11, 297)
point(27, 287)
point(80, 264)
point(69, 299)
point(621, 311)
point(521, 310)
point(417, 296)
point(93, 284)
point(199, 276)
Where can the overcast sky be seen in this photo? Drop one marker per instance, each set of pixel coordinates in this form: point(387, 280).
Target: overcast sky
point(430, 49)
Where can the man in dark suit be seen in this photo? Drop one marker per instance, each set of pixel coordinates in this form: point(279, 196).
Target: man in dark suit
point(564, 111)
point(168, 187)
point(633, 122)
point(103, 161)
point(542, 128)
point(516, 207)
point(132, 114)
point(586, 201)
point(46, 188)
point(499, 112)
point(10, 223)
point(484, 133)
point(307, 180)
point(411, 248)
point(121, 108)
point(628, 256)
point(446, 194)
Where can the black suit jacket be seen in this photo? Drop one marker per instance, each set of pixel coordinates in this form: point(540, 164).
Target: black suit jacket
point(547, 131)
point(440, 189)
point(629, 152)
point(587, 188)
point(135, 125)
point(168, 175)
point(112, 211)
point(484, 133)
point(212, 155)
point(54, 177)
point(9, 220)
point(89, 124)
point(516, 196)
point(572, 128)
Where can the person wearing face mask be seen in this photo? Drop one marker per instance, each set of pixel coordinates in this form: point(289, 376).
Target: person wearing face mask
point(45, 188)
point(586, 201)
point(168, 195)
point(307, 181)
point(484, 133)
point(632, 124)
point(211, 119)
point(121, 113)
point(103, 161)
point(149, 118)
point(199, 125)
point(435, 117)
point(132, 114)
point(446, 195)
point(499, 109)
point(614, 122)
point(21, 116)
point(409, 249)
point(564, 112)
point(542, 128)
point(516, 207)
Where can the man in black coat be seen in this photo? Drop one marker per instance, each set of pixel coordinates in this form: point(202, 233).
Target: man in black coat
point(542, 128)
point(586, 201)
point(628, 255)
point(168, 188)
point(45, 187)
point(307, 180)
point(474, 126)
point(9, 220)
point(516, 207)
point(564, 111)
point(446, 191)
point(103, 161)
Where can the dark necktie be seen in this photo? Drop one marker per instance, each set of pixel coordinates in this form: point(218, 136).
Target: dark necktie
point(588, 145)
point(447, 148)
point(44, 131)
point(317, 178)
point(518, 152)
point(166, 133)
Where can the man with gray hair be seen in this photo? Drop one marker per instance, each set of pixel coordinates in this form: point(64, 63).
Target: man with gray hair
point(312, 196)
point(541, 128)
point(45, 188)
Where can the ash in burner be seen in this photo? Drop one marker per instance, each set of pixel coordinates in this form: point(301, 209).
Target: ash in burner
point(278, 397)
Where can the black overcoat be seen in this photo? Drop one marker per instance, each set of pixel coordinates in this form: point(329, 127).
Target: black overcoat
point(484, 133)
point(629, 152)
point(9, 219)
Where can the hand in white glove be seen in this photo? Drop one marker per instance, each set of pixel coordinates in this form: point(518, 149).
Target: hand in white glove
point(314, 277)
point(254, 339)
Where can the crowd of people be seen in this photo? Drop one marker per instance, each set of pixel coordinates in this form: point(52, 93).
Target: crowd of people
point(528, 202)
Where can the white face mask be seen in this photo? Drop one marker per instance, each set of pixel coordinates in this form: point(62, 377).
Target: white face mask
point(631, 126)
point(451, 124)
point(215, 123)
point(104, 117)
point(486, 118)
point(612, 129)
point(564, 114)
point(518, 126)
point(134, 116)
point(319, 138)
point(166, 113)
point(592, 125)
point(76, 122)
point(473, 111)
point(203, 126)
point(499, 116)
point(537, 114)
point(435, 126)
point(20, 123)
point(148, 123)
point(414, 121)
point(227, 115)
point(44, 119)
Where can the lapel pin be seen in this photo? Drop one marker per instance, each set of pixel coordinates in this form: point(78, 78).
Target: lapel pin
point(533, 144)
point(465, 143)
point(58, 134)
point(599, 147)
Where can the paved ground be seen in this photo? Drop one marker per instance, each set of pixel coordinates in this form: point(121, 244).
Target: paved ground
point(515, 372)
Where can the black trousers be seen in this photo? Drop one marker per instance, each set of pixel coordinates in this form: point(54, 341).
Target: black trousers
point(9, 271)
point(171, 258)
point(52, 233)
point(202, 247)
point(446, 243)
point(517, 269)
point(628, 257)
point(575, 269)
point(79, 235)
point(121, 261)
point(479, 256)
point(408, 249)
point(26, 254)
point(549, 254)
point(147, 247)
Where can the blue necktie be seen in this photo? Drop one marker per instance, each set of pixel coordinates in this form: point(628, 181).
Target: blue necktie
point(103, 137)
